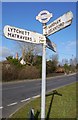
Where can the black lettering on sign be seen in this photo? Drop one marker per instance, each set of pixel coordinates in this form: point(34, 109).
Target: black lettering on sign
point(8, 29)
point(14, 29)
point(13, 35)
point(59, 20)
point(23, 37)
point(30, 39)
point(17, 31)
point(28, 33)
point(17, 36)
point(20, 37)
point(25, 32)
point(9, 34)
point(11, 29)
point(21, 32)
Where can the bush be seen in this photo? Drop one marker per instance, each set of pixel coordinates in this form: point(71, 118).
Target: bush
point(51, 66)
point(29, 72)
point(9, 72)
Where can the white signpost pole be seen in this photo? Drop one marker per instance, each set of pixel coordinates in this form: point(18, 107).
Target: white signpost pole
point(43, 92)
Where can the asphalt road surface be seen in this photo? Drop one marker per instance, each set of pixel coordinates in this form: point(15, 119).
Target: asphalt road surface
point(15, 94)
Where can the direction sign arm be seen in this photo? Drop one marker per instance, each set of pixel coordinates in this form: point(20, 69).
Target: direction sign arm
point(60, 23)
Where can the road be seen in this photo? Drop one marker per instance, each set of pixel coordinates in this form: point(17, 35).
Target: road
point(16, 94)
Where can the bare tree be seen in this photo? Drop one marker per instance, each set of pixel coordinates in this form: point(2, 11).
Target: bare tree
point(73, 62)
point(65, 61)
point(55, 58)
point(29, 51)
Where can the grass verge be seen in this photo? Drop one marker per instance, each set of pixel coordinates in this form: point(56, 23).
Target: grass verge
point(58, 107)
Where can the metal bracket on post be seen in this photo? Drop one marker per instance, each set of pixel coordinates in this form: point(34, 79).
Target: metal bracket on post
point(44, 29)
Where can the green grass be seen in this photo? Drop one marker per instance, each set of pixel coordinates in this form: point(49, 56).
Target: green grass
point(62, 106)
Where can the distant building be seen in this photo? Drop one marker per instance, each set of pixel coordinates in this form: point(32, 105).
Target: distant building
point(17, 56)
point(22, 62)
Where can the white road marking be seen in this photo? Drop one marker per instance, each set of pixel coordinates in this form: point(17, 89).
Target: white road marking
point(12, 104)
point(1, 107)
point(36, 96)
point(25, 100)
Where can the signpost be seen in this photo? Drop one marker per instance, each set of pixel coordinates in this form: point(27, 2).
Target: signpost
point(23, 35)
point(43, 17)
point(33, 37)
point(53, 27)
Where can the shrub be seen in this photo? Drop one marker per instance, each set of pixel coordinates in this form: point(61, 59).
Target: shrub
point(9, 72)
point(29, 72)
